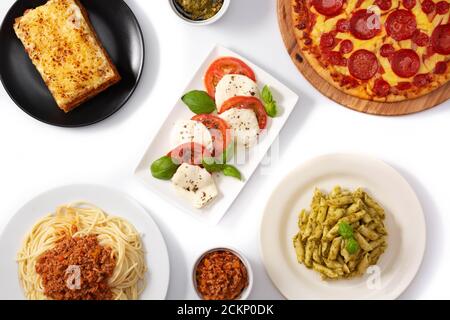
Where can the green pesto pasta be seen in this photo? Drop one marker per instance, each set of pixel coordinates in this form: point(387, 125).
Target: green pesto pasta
point(342, 234)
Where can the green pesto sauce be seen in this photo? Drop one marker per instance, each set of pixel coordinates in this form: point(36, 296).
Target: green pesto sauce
point(199, 10)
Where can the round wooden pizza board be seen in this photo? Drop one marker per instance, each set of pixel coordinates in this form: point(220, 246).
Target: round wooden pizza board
point(378, 108)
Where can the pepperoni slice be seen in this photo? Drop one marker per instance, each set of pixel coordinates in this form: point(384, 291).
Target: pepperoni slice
point(384, 4)
point(440, 39)
point(328, 8)
point(428, 6)
point(421, 80)
point(363, 64)
point(346, 47)
point(442, 7)
point(401, 24)
point(387, 50)
point(365, 25)
point(428, 53)
point(343, 25)
point(335, 58)
point(403, 85)
point(381, 88)
point(420, 38)
point(327, 41)
point(350, 82)
point(405, 63)
point(440, 67)
point(409, 4)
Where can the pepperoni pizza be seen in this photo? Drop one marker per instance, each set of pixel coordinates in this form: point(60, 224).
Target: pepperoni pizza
point(381, 50)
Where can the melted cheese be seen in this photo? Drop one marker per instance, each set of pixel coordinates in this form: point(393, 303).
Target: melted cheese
point(324, 25)
point(63, 48)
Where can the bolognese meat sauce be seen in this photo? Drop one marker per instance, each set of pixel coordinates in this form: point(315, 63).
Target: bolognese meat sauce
point(96, 264)
point(221, 275)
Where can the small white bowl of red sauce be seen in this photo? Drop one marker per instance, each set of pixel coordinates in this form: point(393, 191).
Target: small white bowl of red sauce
point(222, 273)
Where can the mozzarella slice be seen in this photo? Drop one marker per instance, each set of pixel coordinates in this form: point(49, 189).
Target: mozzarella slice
point(186, 131)
point(195, 184)
point(232, 85)
point(244, 124)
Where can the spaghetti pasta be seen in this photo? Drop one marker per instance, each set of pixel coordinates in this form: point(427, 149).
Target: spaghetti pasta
point(79, 220)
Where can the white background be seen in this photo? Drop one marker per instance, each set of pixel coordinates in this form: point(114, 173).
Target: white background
point(35, 157)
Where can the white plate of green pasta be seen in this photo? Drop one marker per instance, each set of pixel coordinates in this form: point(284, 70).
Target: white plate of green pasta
point(362, 240)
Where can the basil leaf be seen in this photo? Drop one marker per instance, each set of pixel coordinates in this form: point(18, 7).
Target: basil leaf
point(199, 102)
point(271, 109)
point(231, 171)
point(352, 246)
point(266, 95)
point(211, 165)
point(228, 170)
point(163, 168)
point(345, 230)
point(269, 104)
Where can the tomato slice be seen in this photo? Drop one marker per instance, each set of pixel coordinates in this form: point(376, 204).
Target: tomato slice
point(223, 66)
point(191, 152)
point(219, 129)
point(252, 103)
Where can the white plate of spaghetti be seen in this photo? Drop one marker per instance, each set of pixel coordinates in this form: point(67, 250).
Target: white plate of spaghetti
point(83, 242)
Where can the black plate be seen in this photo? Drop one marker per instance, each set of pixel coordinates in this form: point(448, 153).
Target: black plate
point(120, 34)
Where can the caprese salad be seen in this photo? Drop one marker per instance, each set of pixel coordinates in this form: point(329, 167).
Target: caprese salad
point(229, 115)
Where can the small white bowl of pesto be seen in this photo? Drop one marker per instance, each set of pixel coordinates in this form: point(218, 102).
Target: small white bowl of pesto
point(199, 12)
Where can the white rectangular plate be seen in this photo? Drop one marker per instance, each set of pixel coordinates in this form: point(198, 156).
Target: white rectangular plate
point(229, 188)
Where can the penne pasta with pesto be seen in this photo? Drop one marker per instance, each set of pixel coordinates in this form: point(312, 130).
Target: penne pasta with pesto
point(342, 234)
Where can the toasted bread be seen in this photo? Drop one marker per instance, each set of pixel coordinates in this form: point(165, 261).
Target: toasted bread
point(66, 51)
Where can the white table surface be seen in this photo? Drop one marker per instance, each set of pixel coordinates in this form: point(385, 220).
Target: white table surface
point(35, 157)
